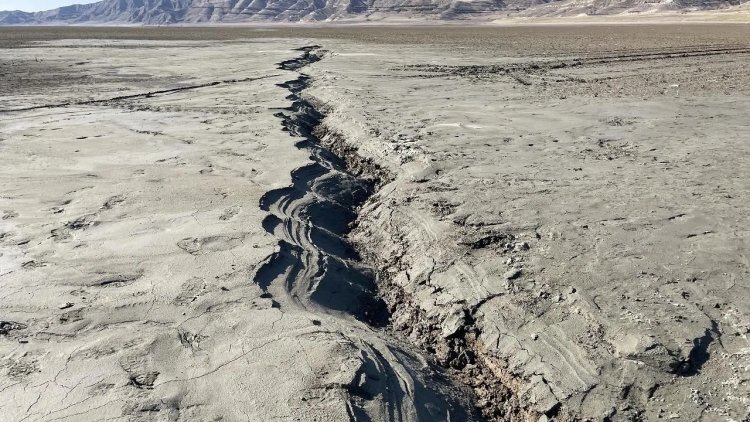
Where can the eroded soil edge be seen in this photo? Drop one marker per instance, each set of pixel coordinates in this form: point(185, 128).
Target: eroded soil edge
point(342, 182)
point(316, 269)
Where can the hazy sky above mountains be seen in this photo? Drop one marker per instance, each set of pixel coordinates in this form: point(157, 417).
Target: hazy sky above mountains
point(37, 5)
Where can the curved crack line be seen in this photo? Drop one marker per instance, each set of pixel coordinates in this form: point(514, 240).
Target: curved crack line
point(314, 261)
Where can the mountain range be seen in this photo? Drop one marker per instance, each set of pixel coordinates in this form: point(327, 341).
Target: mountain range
point(165, 12)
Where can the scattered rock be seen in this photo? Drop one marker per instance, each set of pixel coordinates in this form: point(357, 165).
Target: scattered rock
point(512, 274)
point(521, 246)
point(453, 322)
point(7, 326)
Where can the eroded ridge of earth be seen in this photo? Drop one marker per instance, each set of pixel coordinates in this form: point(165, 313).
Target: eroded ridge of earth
point(522, 223)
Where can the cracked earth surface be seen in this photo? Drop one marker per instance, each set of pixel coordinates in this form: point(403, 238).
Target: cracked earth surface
point(564, 235)
point(132, 236)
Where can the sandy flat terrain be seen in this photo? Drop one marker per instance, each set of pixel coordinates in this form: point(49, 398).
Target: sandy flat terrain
point(548, 223)
point(576, 220)
point(132, 234)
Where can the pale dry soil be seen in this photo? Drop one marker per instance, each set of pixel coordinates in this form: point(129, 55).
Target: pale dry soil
point(579, 217)
point(129, 239)
point(564, 227)
point(131, 235)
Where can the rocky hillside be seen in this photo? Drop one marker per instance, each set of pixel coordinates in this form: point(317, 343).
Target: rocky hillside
point(161, 12)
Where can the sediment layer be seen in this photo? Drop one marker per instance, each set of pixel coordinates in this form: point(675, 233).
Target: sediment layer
point(131, 232)
point(317, 268)
point(521, 230)
point(567, 235)
point(314, 216)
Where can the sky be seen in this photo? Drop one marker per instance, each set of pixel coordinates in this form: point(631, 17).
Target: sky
point(37, 5)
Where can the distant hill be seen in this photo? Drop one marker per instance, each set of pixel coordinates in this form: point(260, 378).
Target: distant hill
point(163, 12)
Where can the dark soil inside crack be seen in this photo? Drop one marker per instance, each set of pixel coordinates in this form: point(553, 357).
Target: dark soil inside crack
point(321, 270)
point(313, 216)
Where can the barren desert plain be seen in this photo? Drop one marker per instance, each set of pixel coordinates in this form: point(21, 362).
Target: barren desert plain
point(412, 223)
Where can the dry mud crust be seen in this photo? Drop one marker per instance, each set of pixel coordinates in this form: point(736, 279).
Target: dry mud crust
point(516, 40)
point(563, 234)
point(130, 231)
point(312, 217)
point(459, 351)
point(693, 70)
point(317, 270)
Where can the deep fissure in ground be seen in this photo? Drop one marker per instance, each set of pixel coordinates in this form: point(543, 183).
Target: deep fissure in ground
point(322, 268)
point(313, 216)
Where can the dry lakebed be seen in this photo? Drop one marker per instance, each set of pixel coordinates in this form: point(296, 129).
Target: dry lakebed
point(521, 223)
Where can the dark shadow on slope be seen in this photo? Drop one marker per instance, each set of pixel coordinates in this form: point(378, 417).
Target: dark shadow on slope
point(700, 354)
point(313, 216)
